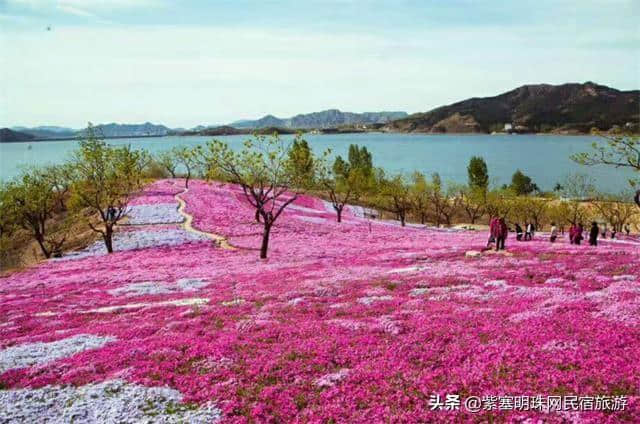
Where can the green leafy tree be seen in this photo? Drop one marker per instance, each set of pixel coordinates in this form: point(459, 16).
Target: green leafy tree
point(8, 223)
point(341, 186)
point(473, 201)
point(396, 197)
point(499, 203)
point(529, 209)
point(478, 173)
point(360, 158)
point(188, 159)
point(419, 194)
point(168, 162)
point(444, 202)
point(522, 184)
point(619, 150)
point(106, 179)
point(301, 164)
point(261, 169)
point(32, 202)
point(616, 210)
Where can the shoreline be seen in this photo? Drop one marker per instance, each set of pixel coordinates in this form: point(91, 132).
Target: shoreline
point(38, 140)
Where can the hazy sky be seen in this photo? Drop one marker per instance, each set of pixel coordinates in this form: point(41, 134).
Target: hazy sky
point(190, 62)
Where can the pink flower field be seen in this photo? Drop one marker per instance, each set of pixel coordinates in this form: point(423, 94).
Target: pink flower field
point(362, 321)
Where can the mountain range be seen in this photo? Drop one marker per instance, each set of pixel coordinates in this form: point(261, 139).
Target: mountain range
point(541, 108)
point(561, 109)
point(331, 118)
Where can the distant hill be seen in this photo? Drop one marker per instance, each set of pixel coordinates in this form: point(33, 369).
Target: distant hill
point(8, 136)
point(560, 109)
point(129, 130)
point(331, 118)
point(47, 131)
point(104, 130)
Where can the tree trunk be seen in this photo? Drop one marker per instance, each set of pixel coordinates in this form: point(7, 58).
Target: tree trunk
point(186, 181)
point(108, 238)
point(40, 239)
point(257, 215)
point(401, 215)
point(265, 241)
point(339, 213)
point(422, 218)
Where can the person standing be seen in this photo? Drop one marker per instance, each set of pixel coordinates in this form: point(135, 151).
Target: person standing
point(500, 233)
point(577, 238)
point(572, 233)
point(528, 235)
point(518, 232)
point(492, 230)
point(593, 234)
point(554, 232)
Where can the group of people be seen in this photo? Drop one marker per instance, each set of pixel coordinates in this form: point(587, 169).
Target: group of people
point(528, 232)
point(498, 232)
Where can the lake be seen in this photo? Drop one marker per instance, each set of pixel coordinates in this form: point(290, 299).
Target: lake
point(543, 157)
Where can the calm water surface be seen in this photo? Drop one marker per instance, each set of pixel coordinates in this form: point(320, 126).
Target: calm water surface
point(543, 157)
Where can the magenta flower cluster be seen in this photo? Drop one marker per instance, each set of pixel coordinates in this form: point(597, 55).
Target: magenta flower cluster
point(360, 321)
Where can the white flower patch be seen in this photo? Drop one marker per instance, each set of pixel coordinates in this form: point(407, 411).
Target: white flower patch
point(295, 301)
point(38, 353)
point(313, 219)
point(624, 278)
point(177, 302)
point(500, 284)
point(328, 206)
point(304, 209)
point(141, 289)
point(347, 323)
point(329, 380)
point(555, 281)
point(560, 345)
point(418, 292)
point(161, 213)
point(112, 401)
point(191, 284)
point(522, 316)
point(625, 312)
point(131, 240)
point(234, 302)
point(388, 325)
point(407, 270)
point(368, 300)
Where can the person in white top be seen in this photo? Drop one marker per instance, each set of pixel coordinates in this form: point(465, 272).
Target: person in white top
point(554, 232)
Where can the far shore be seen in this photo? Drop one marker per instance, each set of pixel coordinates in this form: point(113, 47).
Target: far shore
point(37, 140)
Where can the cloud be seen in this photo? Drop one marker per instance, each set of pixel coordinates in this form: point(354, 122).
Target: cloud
point(83, 8)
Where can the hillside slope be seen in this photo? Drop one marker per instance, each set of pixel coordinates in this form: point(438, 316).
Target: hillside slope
point(566, 108)
point(7, 136)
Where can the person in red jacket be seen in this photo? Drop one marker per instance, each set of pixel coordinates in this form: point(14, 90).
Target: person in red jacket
point(499, 231)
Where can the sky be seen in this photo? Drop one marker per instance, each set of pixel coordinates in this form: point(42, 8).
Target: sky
point(191, 62)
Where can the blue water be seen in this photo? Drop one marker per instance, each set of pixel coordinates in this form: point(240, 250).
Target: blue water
point(543, 157)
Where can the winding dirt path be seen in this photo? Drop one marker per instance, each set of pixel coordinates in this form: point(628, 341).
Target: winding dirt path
point(188, 219)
